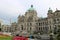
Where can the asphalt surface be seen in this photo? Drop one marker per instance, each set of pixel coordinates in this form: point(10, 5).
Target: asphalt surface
point(42, 37)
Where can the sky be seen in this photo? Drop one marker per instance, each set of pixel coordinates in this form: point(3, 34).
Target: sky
point(10, 9)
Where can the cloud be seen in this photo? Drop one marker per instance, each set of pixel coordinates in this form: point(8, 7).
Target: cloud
point(12, 8)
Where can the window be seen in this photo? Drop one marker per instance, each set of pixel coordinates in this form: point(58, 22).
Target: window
point(36, 23)
point(50, 27)
point(27, 24)
point(56, 14)
point(46, 28)
point(30, 24)
point(21, 27)
point(30, 28)
point(43, 23)
point(50, 22)
point(39, 24)
point(54, 21)
point(39, 28)
point(43, 28)
point(57, 19)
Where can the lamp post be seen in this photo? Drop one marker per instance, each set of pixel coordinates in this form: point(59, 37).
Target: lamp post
point(51, 36)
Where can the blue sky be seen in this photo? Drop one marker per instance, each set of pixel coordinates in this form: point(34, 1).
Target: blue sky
point(10, 9)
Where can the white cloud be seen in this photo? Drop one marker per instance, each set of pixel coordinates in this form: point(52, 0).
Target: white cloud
point(12, 8)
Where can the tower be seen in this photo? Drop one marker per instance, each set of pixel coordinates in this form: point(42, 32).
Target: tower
point(50, 13)
point(31, 13)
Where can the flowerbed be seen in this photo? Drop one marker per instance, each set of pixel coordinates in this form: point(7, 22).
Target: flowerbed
point(5, 37)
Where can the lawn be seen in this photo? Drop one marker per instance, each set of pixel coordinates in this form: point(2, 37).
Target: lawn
point(6, 37)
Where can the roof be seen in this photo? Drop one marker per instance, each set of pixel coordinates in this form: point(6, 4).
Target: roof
point(31, 8)
point(57, 11)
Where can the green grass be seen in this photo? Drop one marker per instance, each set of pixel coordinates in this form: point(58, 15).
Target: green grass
point(6, 38)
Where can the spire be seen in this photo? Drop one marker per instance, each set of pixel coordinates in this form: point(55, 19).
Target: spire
point(56, 9)
point(10, 21)
point(31, 6)
point(50, 10)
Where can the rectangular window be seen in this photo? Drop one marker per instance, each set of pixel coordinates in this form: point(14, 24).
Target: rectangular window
point(30, 24)
point(39, 28)
point(21, 27)
point(39, 24)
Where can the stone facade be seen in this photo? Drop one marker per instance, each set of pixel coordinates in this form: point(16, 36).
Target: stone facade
point(27, 22)
point(13, 28)
point(30, 23)
point(53, 19)
point(5, 28)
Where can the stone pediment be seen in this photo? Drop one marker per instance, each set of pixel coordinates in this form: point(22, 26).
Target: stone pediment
point(30, 19)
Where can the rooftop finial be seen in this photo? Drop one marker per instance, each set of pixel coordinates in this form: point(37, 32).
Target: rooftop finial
point(31, 5)
point(56, 9)
point(49, 8)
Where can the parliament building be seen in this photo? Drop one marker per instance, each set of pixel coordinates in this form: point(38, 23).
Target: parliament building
point(30, 23)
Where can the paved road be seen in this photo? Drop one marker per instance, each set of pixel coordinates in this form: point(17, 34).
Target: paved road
point(38, 39)
point(43, 37)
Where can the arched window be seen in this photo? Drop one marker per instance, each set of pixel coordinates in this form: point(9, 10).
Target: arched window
point(39, 28)
point(30, 28)
point(50, 27)
point(21, 27)
point(30, 24)
point(39, 24)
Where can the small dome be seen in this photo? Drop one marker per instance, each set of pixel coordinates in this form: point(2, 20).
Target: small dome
point(30, 9)
point(50, 11)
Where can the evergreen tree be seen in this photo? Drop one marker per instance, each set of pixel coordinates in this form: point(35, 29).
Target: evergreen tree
point(55, 30)
point(58, 33)
point(0, 29)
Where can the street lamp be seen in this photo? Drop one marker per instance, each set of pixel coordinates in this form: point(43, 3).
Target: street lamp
point(51, 36)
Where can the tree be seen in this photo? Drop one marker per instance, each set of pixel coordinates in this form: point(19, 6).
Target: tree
point(51, 37)
point(0, 29)
point(58, 33)
point(55, 30)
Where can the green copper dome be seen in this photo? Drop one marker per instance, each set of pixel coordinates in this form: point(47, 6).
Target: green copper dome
point(50, 10)
point(30, 9)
